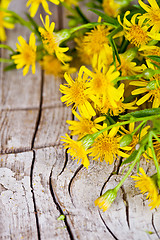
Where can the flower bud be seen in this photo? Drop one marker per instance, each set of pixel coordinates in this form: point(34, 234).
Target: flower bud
point(131, 53)
point(105, 201)
point(152, 85)
point(10, 19)
point(125, 140)
point(148, 73)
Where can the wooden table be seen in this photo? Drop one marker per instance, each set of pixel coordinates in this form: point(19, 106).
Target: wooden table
point(38, 180)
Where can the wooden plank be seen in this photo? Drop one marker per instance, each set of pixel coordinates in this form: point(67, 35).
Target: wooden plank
point(52, 126)
point(17, 91)
point(75, 189)
point(47, 211)
point(17, 130)
point(51, 93)
point(17, 217)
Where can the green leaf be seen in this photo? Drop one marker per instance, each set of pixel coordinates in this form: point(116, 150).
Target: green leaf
point(112, 21)
point(6, 47)
point(154, 58)
point(130, 158)
point(10, 67)
point(115, 51)
point(5, 60)
point(141, 113)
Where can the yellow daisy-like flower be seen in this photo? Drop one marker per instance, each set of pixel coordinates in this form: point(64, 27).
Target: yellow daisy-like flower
point(105, 201)
point(27, 54)
point(101, 84)
point(52, 41)
point(95, 40)
point(128, 67)
point(3, 24)
point(106, 147)
point(147, 185)
point(152, 16)
point(85, 125)
point(76, 149)
point(77, 93)
point(111, 7)
point(34, 5)
point(137, 34)
point(152, 93)
point(51, 65)
point(82, 51)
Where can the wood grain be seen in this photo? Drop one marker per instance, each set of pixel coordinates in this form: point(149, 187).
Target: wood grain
point(17, 216)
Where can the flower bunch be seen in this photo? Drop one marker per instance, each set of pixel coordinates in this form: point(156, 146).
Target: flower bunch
point(115, 94)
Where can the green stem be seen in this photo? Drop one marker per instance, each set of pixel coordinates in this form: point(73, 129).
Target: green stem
point(140, 151)
point(136, 129)
point(153, 153)
point(144, 119)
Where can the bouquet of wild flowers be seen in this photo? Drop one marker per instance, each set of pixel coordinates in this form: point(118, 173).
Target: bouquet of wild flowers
point(115, 96)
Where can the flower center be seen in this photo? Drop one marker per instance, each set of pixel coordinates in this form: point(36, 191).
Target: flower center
point(137, 36)
point(107, 144)
point(29, 55)
point(78, 94)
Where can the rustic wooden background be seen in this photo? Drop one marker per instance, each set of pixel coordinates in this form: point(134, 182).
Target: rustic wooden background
point(38, 180)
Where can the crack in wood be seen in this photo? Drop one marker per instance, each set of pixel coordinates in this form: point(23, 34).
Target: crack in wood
point(22, 150)
point(125, 200)
point(109, 230)
point(59, 105)
point(111, 174)
point(71, 181)
point(154, 227)
point(33, 196)
point(33, 160)
point(65, 163)
point(59, 207)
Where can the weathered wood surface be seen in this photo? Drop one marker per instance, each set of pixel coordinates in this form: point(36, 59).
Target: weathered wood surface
point(38, 180)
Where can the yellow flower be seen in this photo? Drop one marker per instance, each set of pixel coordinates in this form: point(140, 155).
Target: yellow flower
point(76, 149)
point(53, 66)
point(137, 34)
point(51, 41)
point(71, 2)
point(95, 40)
point(106, 147)
point(35, 5)
point(3, 24)
point(111, 7)
point(152, 16)
point(152, 93)
point(105, 201)
point(82, 51)
point(85, 125)
point(77, 93)
point(127, 67)
point(147, 185)
point(27, 54)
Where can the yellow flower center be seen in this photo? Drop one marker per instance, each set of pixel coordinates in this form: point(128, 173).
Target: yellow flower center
point(50, 41)
point(107, 144)
point(96, 39)
point(29, 55)
point(98, 83)
point(77, 93)
point(137, 36)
